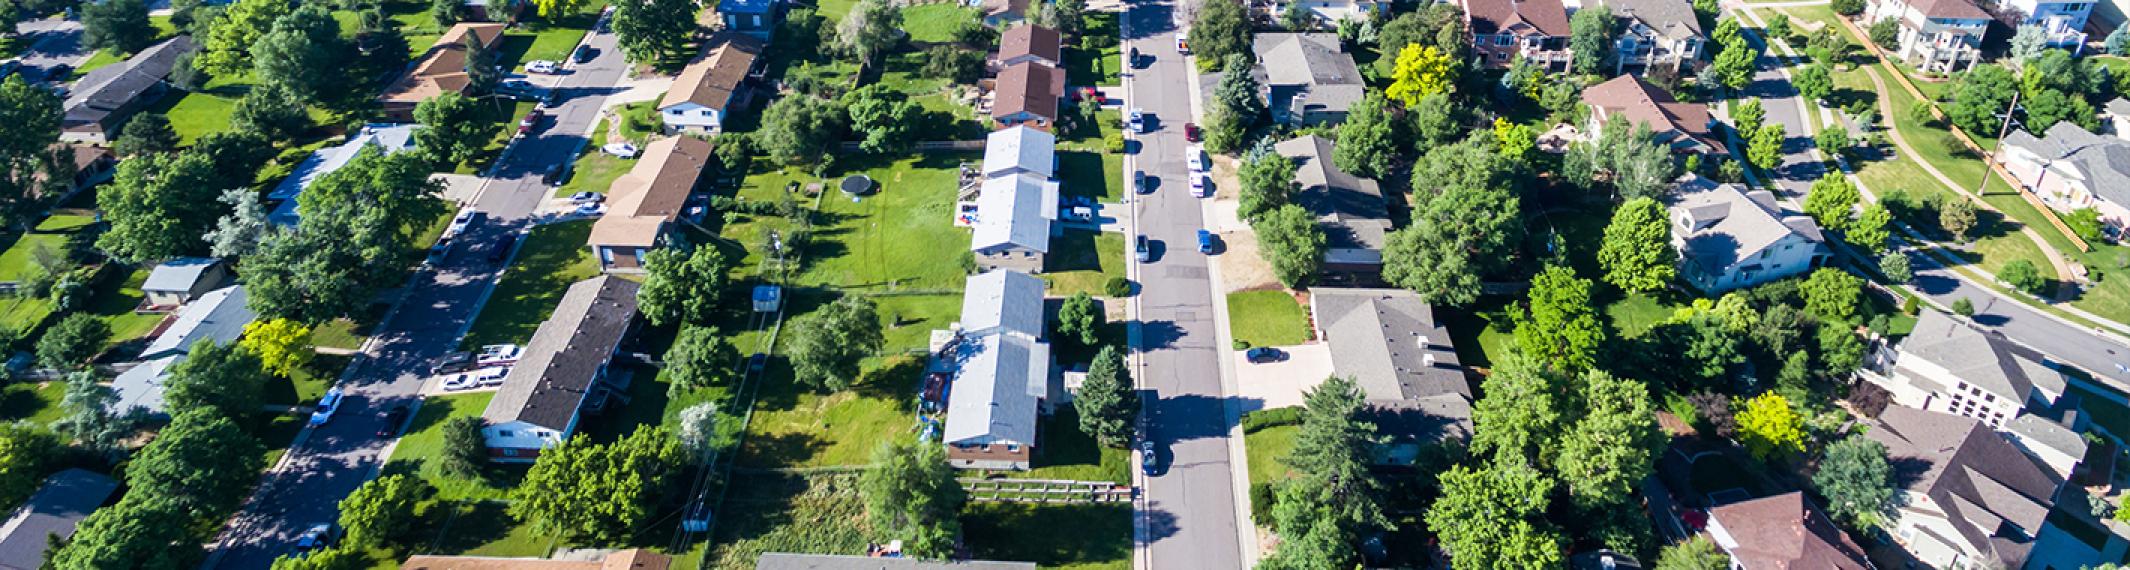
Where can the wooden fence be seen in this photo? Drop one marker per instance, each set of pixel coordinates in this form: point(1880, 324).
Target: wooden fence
point(1045, 491)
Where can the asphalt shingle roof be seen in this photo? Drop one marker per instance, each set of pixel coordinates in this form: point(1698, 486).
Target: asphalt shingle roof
point(1984, 359)
point(1310, 65)
point(218, 315)
point(178, 274)
point(652, 193)
point(1547, 17)
point(1350, 208)
point(1021, 148)
point(1720, 225)
point(1672, 18)
point(998, 380)
point(712, 79)
point(2104, 160)
point(1641, 102)
point(105, 90)
point(1786, 531)
point(566, 355)
point(999, 300)
point(1980, 479)
point(1029, 39)
point(65, 499)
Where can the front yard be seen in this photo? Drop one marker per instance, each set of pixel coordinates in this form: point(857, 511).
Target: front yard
point(1267, 318)
point(552, 257)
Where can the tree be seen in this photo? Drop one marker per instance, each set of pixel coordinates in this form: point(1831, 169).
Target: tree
point(910, 494)
point(1886, 33)
point(270, 110)
point(1698, 552)
point(142, 531)
point(446, 12)
point(1831, 200)
point(2022, 275)
point(1238, 88)
point(888, 119)
point(682, 284)
point(2027, 43)
point(1982, 92)
point(870, 29)
point(381, 509)
point(1220, 30)
point(1437, 120)
point(649, 30)
point(1747, 116)
point(698, 428)
point(1107, 401)
point(1614, 445)
point(27, 456)
point(1080, 320)
point(1833, 141)
point(1963, 307)
point(1764, 151)
point(118, 26)
point(334, 558)
point(599, 493)
point(1070, 15)
point(1631, 160)
point(1494, 518)
point(2085, 223)
point(1957, 217)
point(827, 344)
point(1517, 418)
point(465, 450)
point(71, 343)
point(700, 358)
point(158, 206)
point(1769, 428)
point(1871, 229)
point(1592, 31)
point(145, 133)
point(1465, 223)
point(482, 73)
point(29, 126)
point(1420, 71)
point(1224, 129)
point(1831, 294)
point(282, 346)
point(1291, 241)
point(1636, 253)
point(1559, 325)
point(303, 53)
point(1332, 502)
point(451, 130)
point(555, 9)
point(1895, 266)
point(227, 50)
point(2118, 42)
point(1515, 141)
point(237, 157)
point(1815, 81)
point(799, 129)
point(202, 461)
point(1778, 27)
point(1733, 67)
point(1856, 479)
point(90, 418)
point(2047, 107)
point(954, 64)
point(357, 230)
point(222, 377)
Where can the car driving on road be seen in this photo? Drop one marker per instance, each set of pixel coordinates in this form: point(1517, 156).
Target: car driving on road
point(326, 406)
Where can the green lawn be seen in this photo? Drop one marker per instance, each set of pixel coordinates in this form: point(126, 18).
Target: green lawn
point(37, 403)
point(595, 171)
point(1267, 447)
point(795, 426)
point(1068, 453)
point(907, 321)
point(308, 384)
point(1636, 313)
point(51, 235)
point(1102, 66)
point(1065, 537)
point(935, 23)
point(114, 301)
point(820, 513)
point(551, 258)
point(97, 59)
point(349, 333)
point(1267, 318)
point(900, 237)
point(1091, 173)
point(1083, 261)
point(424, 442)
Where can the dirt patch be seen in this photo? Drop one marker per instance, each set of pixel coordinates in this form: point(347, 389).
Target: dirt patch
point(1241, 268)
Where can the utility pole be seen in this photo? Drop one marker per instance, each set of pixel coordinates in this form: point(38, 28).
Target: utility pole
point(1989, 158)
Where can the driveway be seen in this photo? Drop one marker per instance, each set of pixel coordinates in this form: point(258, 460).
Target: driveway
point(53, 41)
point(1281, 384)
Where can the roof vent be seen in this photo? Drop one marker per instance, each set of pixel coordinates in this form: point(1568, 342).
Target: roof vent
point(1428, 360)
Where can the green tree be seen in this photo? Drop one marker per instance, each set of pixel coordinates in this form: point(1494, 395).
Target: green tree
point(117, 26)
point(1592, 32)
point(1332, 502)
point(1834, 142)
point(1224, 129)
point(1517, 417)
point(465, 450)
point(888, 118)
point(579, 490)
point(682, 284)
point(145, 133)
point(1831, 200)
point(1895, 266)
point(800, 129)
point(1636, 253)
point(2118, 42)
point(1267, 181)
point(1764, 151)
point(71, 343)
point(1815, 81)
point(1698, 552)
point(158, 206)
point(1857, 480)
point(202, 461)
point(2022, 274)
point(271, 110)
point(1613, 446)
point(90, 418)
point(237, 157)
point(1778, 27)
point(142, 531)
point(451, 130)
point(1957, 217)
point(446, 12)
point(303, 52)
point(382, 509)
point(335, 558)
point(556, 9)
point(1334, 439)
point(1769, 427)
point(1559, 325)
point(701, 358)
point(827, 344)
point(1080, 320)
point(1886, 33)
point(227, 50)
point(1516, 141)
point(282, 346)
point(1872, 229)
point(649, 30)
point(356, 234)
point(1238, 89)
point(1831, 294)
point(1963, 307)
point(27, 455)
point(1494, 518)
point(1420, 71)
point(1465, 224)
point(1981, 93)
point(1107, 401)
point(29, 126)
point(2085, 222)
point(222, 377)
point(1291, 241)
point(910, 494)
point(1437, 120)
point(1747, 115)
point(869, 30)
point(1219, 31)
point(1733, 66)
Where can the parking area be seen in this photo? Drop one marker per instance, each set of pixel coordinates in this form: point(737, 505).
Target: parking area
point(1281, 384)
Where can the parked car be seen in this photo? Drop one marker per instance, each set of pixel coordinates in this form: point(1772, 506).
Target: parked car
point(583, 54)
point(454, 362)
point(1133, 60)
point(594, 209)
point(1183, 40)
point(1201, 185)
point(501, 249)
point(1264, 354)
point(499, 355)
point(554, 175)
point(1136, 120)
point(530, 122)
point(326, 406)
point(1205, 242)
point(587, 197)
point(485, 377)
point(1143, 250)
point(1148, 460)
point(1140, 181)
point(1196, 157)
point(621, 149)
point(392, 420)
point(317, 537)
point(1190, 132)
point(551, 99)
point(542, 66)
point(518, 89)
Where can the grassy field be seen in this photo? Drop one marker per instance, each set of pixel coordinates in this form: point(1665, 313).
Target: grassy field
point(907, 321)
point(37, 403)
point(1068, 453)
point(1267, 318)
point(935, 23)
point(900, 237)
point(795, 426)
point(1083, 261)
point(51, 235)
point(595, 172)
point(114, 301)
point(424, 442)
point(781, 512)
point(551, 258)
point(1099, 536)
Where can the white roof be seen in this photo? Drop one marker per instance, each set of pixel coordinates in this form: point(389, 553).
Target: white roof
point(1015, 211)
point(1020, 149)
point(218, 315)
point(1001, 300)
point(178, 274)
point(142, 386)
point(994, 395)
point(390, 138)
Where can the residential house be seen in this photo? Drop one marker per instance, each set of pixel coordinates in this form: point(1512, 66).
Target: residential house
point(386, 138)
point(1967, 497)
point(1001, 13)
point(180, 280)
point(1350, 209)
point(645, 203)
point(219, 316)
point(710, 86)
point(627, 559)
point(1936, 36)
point(1307, 79)
point(1783, 531)
point(1030, 43)
point(1656, 34)
point(1684, 127)
point(2116, 114)
point(2062, 21)
point(1020, 150)
point(51, 514)
point(1389, 342)
point(1948, 365)
point(1504, 30)
point(98, 104)
point(1001, 373)
point(2071, 169)
point(1329, 13)
point(1027, 93)
point(92, 165)
point(1730, 238)
point(789, 561)
point(563, 370)
point(1013, 222)
point(442, 69)
point(756, 18)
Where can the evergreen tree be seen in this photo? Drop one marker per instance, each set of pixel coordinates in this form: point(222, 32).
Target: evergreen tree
point(1107, 401)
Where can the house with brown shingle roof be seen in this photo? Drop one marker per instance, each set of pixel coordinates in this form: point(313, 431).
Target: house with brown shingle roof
point(1937, 36)
point(1504, 30)
point(1783, 532)
point(562, 372)
point(711, 85)
point(1967, 496)
point(1682, 126)
point(442, 69)
point(1027, 94)
point(1030, 43)
point(643, 204)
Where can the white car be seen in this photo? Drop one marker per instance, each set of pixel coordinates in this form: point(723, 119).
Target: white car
point(483, 378)
point(592, 209)
point(1200, 187)
point(1183, 41)
point(541, 66)
point(460, 222)
point(1136, 120)
point(498, 355)
point(1196, 157)
point(620, 149)
point(587, 198)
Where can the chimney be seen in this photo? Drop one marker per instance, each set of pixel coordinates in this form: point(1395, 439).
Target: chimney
point(1428, 360)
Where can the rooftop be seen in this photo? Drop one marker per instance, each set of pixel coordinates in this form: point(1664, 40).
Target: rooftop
point(444, 66)
point(642, 202)
point(218, 316)
point(178, 275)
point(1522, 17)
point(1030, 88)
point(1015, 211)
point(1350, 208)
point(1020, 148)
point(1003, 301)
point(712, 79)
point(1669, 18)
point(1312, 66)
point(1031, 40)
point(2103, 160)
point(786, 561)
point(65, 499)
point(999, 378)
point(1979, 480)
point(567, 354)
point(1786, 531)
point(1984, 359)
point(106, 90)
point(1721, 225)
point(1642, 103)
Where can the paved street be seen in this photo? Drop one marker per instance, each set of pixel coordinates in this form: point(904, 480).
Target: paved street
point(331, 461)
point(53, 41)
point(1191, 516)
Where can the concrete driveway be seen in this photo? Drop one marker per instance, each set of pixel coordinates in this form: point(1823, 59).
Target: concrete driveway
point(1281, 384)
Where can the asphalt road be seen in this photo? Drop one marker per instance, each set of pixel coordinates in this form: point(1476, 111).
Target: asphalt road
point(330, 461)
point(54, 41)
point(1191, 499)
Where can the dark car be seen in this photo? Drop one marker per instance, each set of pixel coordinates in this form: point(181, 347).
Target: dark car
point(1190, 132)
point(1134, 58)
point(454, 362)
point(555, 175)
point(1140, 181)
point(1148, 460)
point(501, 249)
point(583, 54)
point(392, 419)
point(552, 99)
point(1143, 250)
point(1264, 354)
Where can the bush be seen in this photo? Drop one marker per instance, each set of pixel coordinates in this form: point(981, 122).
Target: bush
point(1848, 7)
point(2023, 275)
point(1262, 494)
point(1275, 417)
point(1117, 287)
point(1964, 307)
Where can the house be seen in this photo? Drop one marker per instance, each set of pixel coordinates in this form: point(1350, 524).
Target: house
point(756, 18)
point(1001, 373)
point(442, 69)
point(2071, 169)
point(563, 368)
point(1020, 150)
point(1684, 127)
point(1030, 43)
point(218, 316)
point(1504, 30)
point(1948, 365)
point(1656, 34)
point(1013, 222)
point(99, 103)
point(1330, 12)
point(92, 165)
point(2117, 116)
point(1389, 342)
point(1967, 497)
point(1001, 13)
point(2063, 22)
point(1307, 79)
point(628, 559)
point(1783, 531)
point(1349, 208)
point(644, 204)
point(788, 561)
point(1730, 238)
point(711, 85)
point(386, 138)
point(180, 280)
point(1936, 36)
point(59, 505)
point(1027, 94)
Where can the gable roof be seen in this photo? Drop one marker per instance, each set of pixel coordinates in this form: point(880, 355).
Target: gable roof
point(1350, 208)
point(999, 377)
point(1022, 148)
point(444, 66)
point(1951, 9)
point(218, 315)
point(1312, 66)
point(746, 6)
point(105, 90)
point(1786, 531)
point(1031, 88)
point(1981, 481)
point(178, 275)
point(1671, 18)
point(1721, 225)
point(1383, 338)
point(1015, 211)
point(1003, 301)
point(387, 137)
point(2103, 160)
point(65, 499)
point(2116, 106)
point(1985, 359)
point(712, 79)
point(566, 355)
point(1031, 40)
point(1641, 102)
point(142, 385)
point(1546, 17)
point(652, 193)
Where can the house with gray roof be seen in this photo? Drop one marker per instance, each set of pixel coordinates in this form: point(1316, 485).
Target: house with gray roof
point(1966, 496)
point(1949, 365)
point(2072, 169)
point(1020, 149)
point(1389, 342)
point(180, 280)
point(2117, 116)
point(101, 101)
point(563, 370)
point(60, 505)
point(387, 138)
point(1656, 34)
point(789, 561)
point(1001, 381)
point(1350, 209)
point(1002, 301)
point(1728, 237)
point(1306, 79)
point(1012, 224)
point(218, 316)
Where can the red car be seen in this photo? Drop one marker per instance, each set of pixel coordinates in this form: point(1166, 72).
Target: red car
point(527, 124)
point(1190, 132)
point(1090, 93)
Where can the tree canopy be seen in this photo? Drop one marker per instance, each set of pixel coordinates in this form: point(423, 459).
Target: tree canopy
point(1636, 253)
point(827, 344)
point(1857, 480)
point(1613, 446)
point(869, 30)
point(800, 129)
point(223, 377)
point(1108, 402)
point(683, 284)
point(910, 494)
point(701, 358)
point(1559, 324)
point(227, 48)
point(652, 29)
point(158, 206)
point(1291, 241)
point(598, 492)
point(1769, 427)
point(1494, 518)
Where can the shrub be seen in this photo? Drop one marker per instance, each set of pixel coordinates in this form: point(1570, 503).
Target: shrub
point(1117, 287)
point(1288, 416)
point(1964, 307)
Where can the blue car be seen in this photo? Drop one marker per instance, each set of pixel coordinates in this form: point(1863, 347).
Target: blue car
point(1205, 242)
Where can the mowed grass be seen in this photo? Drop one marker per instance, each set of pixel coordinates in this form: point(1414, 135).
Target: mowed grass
point(907, 321)
point(36, 403)
point(1069, 453)
point(551, 258)
point(114, 301)
point(1267, 318)
point(594, 172)
point(1267, 449)
point(1083, 261)
point(419, 449)
point(901, 236)
point(1063, 537)
point(50, 235)
point(797, 426)
point(935, 23)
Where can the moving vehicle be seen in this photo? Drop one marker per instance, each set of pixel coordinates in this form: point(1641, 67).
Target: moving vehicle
point(542, 66)
point(1190, 132)
point(1136, 120)
point(1264, 354)
point(326, 406)
point(1144, 251)
point(530, 122)
point(317, 537)
point(1205, 242)
point(501, 249)
point(1148, 461)
point(392, 420)
point(1140, 181)
point(583, 54)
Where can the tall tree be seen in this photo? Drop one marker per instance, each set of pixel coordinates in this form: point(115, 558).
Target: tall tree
point(1747, 116)
point(1080, 320)
point(1465, 224)
point(451, 131)
point(158, 206)
point(282, 346)
point(464, 449)
point(2027, 43)
point(1815, 81)
point(202, 461)
point(222, 377)
point(27, 455)
point(869, 30)
point(29, 125)
point(482, 73)
point(1221, 29)
point(1493, 518)
point(91, 419)
point(888, 119)
point(652, 29)
point(1831, 294)
point(1559, 325)
point(1636, 253)
point(910, 494)
point(1763, 149)
point(1292, 243)
point(382, 509)
point(1438, 120)
point(1107, 401)
point(73, 341)
point(1591, 30)
point(1333, 501)
point(1981, 93)
point(827, 344)
point(1370, 139)
point(683, 284)
point(558, 9)
point(356, 232)
point(238, 156)
point(118, 26)
point(1696, 553)
point(1613, 446)
point(1238, 88)
point(1420, 71)
point(1857, 480)
point(227, 50)
point(1769, 427)
point(1517, 419)
point(143, 531)
point(1871, 229)
point(1733, 66)
point(1957, 217)
point(145, 133)
point(601, 493)
point(701, 358)
point(302, 53)
point(1267, 179)
point(800, 129)
point(270, 110)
